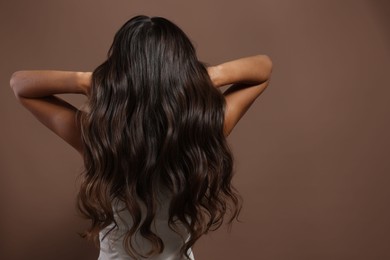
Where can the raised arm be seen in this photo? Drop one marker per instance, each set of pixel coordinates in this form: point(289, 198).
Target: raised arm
point(41, 83)
point(249, 76)
point(35, 90)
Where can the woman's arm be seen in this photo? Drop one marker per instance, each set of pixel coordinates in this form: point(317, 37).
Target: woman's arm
point(250, 76)
point(40, 83)
point(35, 91)
point(249, 70)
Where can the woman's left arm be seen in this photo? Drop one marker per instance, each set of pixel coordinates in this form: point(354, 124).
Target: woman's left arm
point(35, 90)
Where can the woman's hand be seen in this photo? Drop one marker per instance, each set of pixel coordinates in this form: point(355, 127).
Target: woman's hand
point(85, 82)
point(214, 74)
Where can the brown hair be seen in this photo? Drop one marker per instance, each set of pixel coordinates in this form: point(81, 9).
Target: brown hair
point(154, 118)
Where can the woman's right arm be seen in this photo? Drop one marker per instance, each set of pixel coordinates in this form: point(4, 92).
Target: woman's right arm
point(36, 90)
point(249, 76)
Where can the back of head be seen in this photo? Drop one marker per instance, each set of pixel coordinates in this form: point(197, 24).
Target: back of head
point(155, 120)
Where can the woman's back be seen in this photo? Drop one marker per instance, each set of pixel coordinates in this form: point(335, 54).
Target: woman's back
point(111, 246)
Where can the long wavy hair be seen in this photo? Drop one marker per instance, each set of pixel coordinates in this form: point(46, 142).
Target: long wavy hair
point(154, 119)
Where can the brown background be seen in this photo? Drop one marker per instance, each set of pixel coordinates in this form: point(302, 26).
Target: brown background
point(312, 154)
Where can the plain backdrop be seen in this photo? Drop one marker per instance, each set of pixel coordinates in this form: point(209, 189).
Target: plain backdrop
point(312, 153)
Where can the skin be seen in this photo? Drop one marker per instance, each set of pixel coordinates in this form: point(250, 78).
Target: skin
point(36, 90)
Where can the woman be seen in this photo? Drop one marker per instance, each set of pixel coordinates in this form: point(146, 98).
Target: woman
point(158, 168)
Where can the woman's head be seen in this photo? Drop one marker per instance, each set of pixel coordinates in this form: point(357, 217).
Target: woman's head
point(155, 120)
point(153, 55)
point(152, 48)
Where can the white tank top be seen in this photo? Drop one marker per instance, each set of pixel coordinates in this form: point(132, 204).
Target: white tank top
point(111, 248)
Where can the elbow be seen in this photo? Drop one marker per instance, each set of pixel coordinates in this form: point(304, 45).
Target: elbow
point(15, 82)
point(14, 79)
point(266, 66)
